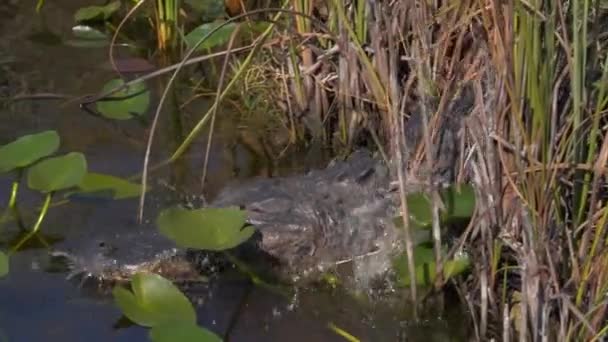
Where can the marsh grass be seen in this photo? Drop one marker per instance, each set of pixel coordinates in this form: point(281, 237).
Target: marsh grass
point(533, 143)
point(391, 74)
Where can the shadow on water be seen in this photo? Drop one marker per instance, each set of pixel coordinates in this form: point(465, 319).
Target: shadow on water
point(37, 303)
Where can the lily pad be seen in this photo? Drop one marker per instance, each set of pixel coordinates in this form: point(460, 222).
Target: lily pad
point(126, 103)
point(3, 264)
point(91, 13)
point(214, 229)
point(459, 203)
point(183, 332)
point(154, 301)
point(425, 266)
point(121, 188)
point(57, 173)
point(219, 37)
point(27, 150)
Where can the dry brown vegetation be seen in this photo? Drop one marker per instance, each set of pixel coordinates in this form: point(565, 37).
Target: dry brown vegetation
point(512, 87)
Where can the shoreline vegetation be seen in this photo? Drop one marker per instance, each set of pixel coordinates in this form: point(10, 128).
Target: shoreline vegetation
point(507, 96)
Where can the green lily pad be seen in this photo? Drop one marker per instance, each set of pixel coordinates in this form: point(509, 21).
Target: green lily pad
point(154, 300)
point(183, 332)
point(91, 13)
point(3, 264)
point(131, 101)
point(424, 258)
point(27, 150)
point(219, 37)
point(57, 173)
point(214, 229)
point(87, 37)
point(96, 182)
point(459, 203)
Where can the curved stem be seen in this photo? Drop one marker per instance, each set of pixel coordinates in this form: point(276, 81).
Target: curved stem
point(34, 230)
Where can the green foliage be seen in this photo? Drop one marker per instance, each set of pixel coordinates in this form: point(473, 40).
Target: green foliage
point(88, 37)
point(425, 267)
point(154, 300)
point(57, 173)
point(126, 103)
point(3, 264)
point(27, 150)
point(459, 203)
point(218, 38)
point(183, 332)
point(214, 229)
point(97, 13)
point(121, 188)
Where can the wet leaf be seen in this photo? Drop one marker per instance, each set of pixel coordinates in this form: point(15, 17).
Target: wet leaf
point(154, 301)
point(424, 259)
point(3, 264)
point(131, 101)
point(219, 37)
point(90, 13)
point(121, 188)
point(459, 203)
point(57, 173)
point(214, 229)
point(182, 332)
point(419, 207)
point(27, 150)
point(88, 33)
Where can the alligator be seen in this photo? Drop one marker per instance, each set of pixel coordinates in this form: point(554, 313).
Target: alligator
point(307, 224)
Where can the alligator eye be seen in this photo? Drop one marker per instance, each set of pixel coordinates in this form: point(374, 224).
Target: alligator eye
point(101, 244)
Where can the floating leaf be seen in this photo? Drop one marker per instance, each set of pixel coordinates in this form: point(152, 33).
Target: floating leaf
point(219, 37)
point(97, 182)
point(27, 149)
point(183, 332)
point(424, 258)
point(88, 32)
point(154, 300)
point(90, 13)
point(57, 173)
point(3, 264)
point(125, 103)
point(213, 229)
point(459, 203)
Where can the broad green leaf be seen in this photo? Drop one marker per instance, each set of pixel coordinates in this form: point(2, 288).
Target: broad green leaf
point(3, 264)
point(89, 33)
point(424, 259)
point(96, 182)
point(96, 12)
point(126, 103)
point(27, 150)
point(219, 37)
point(57, 173)
point(182, 332)
point(154, 300)
point(459, 203)
point(214, 229)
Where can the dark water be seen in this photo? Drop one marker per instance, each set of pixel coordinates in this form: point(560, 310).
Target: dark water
point(38, 303)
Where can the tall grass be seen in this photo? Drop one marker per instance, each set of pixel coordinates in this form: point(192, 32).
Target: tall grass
point(510, 96)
